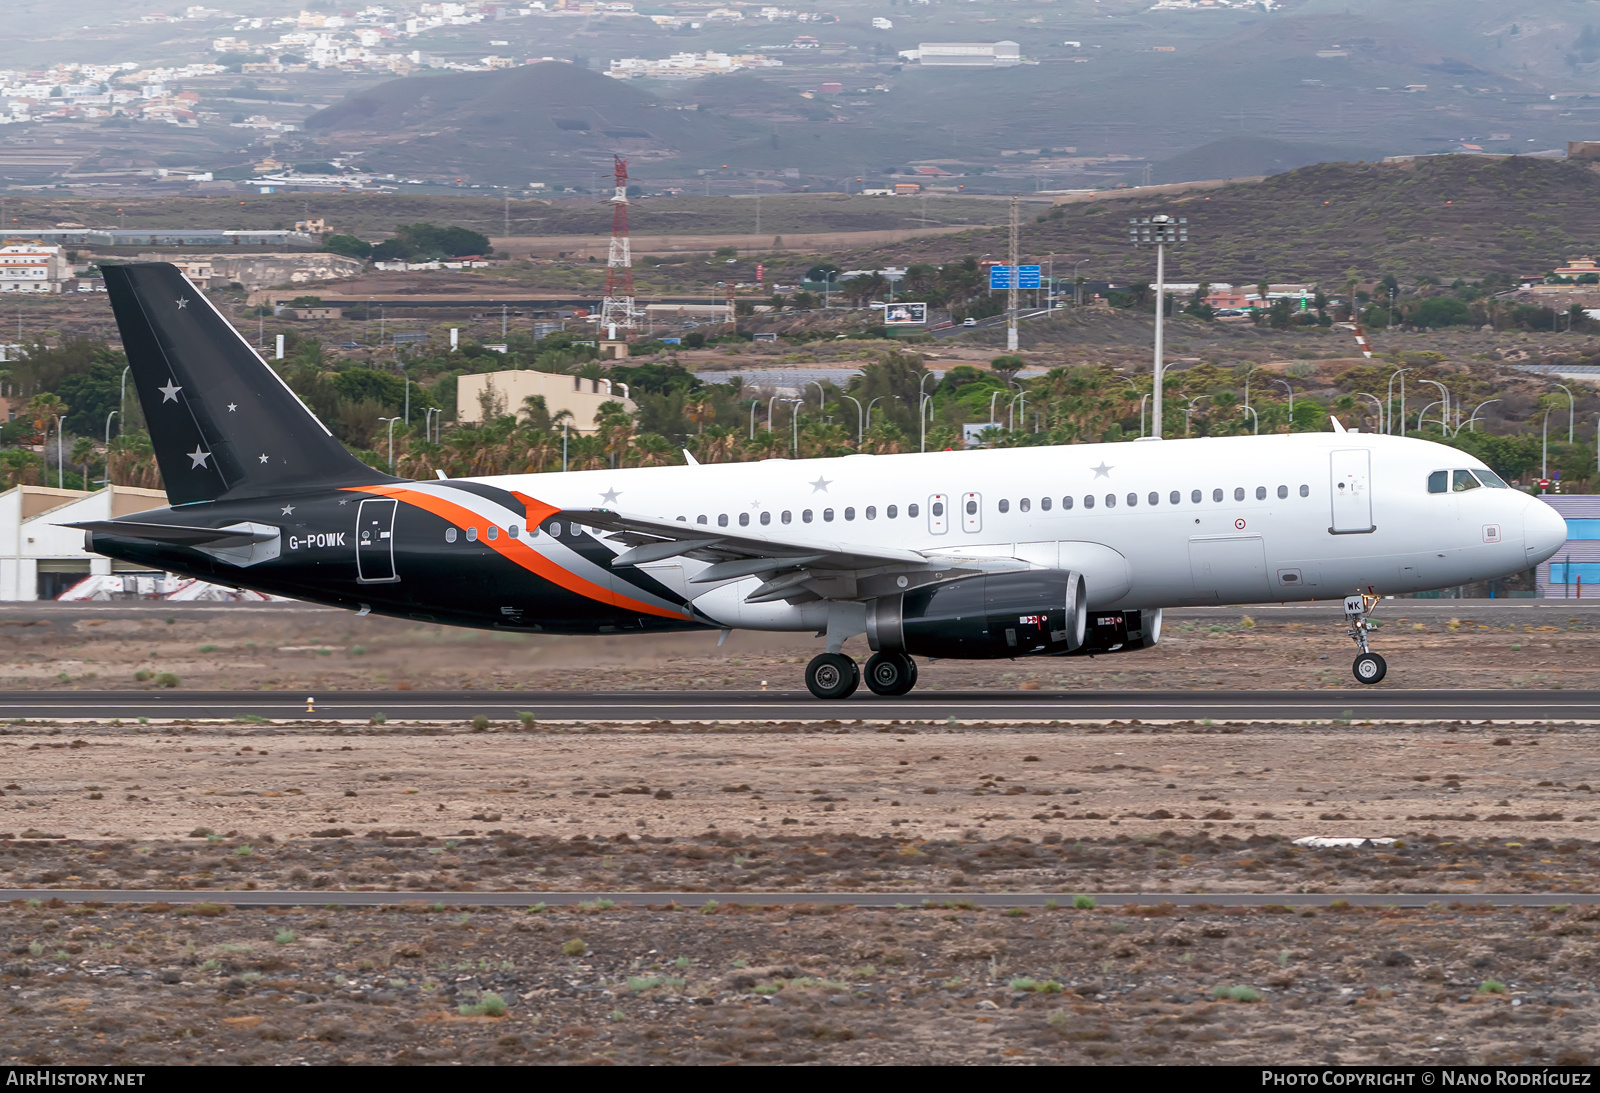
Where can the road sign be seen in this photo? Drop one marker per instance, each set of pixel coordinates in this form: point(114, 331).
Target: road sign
point(1027, 277)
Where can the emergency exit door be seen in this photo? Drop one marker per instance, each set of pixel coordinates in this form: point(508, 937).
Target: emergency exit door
point(375, 540)
point(1351, 492)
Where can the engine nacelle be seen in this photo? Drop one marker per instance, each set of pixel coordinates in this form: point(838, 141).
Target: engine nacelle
point(1119, 632)
point(1039, 613)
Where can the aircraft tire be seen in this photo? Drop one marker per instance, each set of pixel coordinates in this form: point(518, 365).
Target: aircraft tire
point(891, 674)
point(832, 675)
point(1370, 668)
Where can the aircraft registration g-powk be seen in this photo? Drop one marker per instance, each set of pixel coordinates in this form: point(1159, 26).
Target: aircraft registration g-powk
point(1021, 552)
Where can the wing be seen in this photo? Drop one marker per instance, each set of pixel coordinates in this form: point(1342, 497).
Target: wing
point(797, 569)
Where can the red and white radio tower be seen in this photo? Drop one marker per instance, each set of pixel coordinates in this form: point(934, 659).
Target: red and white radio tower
point(616, 310)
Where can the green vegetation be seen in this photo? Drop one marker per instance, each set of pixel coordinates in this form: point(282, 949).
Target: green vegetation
point(489, 1004)
point(1083, 903)
point(1236, 994)
point(574, 947)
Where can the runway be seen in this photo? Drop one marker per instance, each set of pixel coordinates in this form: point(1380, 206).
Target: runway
point(1040, 900)
point(1375, 704)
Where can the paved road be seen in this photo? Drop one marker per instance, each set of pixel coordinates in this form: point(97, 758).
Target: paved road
point(1376, 703)
point(263, 898)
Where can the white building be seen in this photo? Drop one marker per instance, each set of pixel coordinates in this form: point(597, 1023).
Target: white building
point(39, 560)
point(979, 54)
point(505, 392)
point(33, 267)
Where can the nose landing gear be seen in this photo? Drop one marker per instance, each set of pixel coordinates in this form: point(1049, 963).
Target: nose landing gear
point(1369, 667)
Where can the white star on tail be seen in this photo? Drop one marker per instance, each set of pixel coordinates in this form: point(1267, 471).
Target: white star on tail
point(182, 303)
point(820, 485)
point(1102, 471)
point(263, 457)
point(198, 458)
point(169, 393)
point(288, 510)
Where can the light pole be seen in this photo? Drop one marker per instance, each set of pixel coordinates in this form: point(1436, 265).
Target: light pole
point(564, 422)
point(1255, 418)
point(996, 393)
point(1569, 411)
point(1444, 416)
point(861, 427)
point(1011, 411)
point(1375, 402)
point(1189, 410)
point(1474, 416)
point(391, 421)
point(1142, 400)
point(922, 420)
point(428, 427)
point(61, 458)
point(1544, 450)
point(1077, 286)
point(875, 400)
point(753, 404)
point(1160, 230)
point(1289, 388)
point(109, 416)
point(1388, 400)
point(1247, 376)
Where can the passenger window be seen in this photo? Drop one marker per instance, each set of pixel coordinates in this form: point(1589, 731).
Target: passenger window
point(493, 532)
point(449, 535)
point(1044, 504)
point(787, 517)
point(1283, 491)
point(827, 516)
point(699, 519)
point(744, 519)
point(938, 509)
point(1066, 503)
point(1490, 479)
point(512, 531)
point(1464, 481)
point(894, 510)
point(911, 511)
point(1195, 497)
point(1175, 497)
point(1216, 495)
point(849, 514)
point(1088, 501)
point(722, 520)
point(1133, 499)
point(1261, 493)
point(553, 529)
point(1005, 506)
point(472, 534)
point(1238, 493)
point(1111, 500)
point(1305, 491)
point(871, 513)
point(683, 519)
point(766, 518)
point(1024, 504)
point(972, 509)
point(1439, 482)
point(805, 516)
point(1154, 498)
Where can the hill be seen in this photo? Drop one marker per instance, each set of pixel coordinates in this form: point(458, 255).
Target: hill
point(1443, 217)
point(1248, 157)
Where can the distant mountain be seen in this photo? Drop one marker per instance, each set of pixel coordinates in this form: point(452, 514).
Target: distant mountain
point(1248, 157)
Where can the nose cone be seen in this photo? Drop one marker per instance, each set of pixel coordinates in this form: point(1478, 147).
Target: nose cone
point(1543, 531)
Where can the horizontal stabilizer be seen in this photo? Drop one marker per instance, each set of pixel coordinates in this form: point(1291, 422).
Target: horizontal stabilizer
point(233, 535)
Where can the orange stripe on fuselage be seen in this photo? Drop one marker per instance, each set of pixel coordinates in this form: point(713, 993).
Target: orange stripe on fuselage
point(516, 550)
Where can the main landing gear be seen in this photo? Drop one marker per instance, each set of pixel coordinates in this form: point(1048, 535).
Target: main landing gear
point(834, 675)
point(1369, 666)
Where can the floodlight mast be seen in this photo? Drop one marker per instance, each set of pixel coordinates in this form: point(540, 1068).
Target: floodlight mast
point(616, 309)
point(1160, 231)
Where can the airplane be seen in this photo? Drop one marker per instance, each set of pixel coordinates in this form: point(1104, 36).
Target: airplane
point(985, 554)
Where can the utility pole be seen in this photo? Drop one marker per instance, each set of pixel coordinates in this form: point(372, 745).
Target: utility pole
point(1159, 230)
point(1011, 293)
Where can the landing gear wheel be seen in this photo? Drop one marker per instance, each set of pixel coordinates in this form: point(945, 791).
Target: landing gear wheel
point(832, 675)
point(891, 674)
point(1370, 668)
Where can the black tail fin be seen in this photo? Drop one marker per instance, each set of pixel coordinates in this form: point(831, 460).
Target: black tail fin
point(221, 420)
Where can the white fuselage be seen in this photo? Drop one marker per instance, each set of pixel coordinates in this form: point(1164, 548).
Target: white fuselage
point(1168, 523)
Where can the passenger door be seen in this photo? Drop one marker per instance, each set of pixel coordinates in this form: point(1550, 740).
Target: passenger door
point(375, 540)
point(1351, 492)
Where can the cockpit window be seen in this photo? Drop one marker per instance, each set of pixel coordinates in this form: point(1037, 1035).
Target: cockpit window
point(1490, 479)
point(1439, 482)
point(1463, 481)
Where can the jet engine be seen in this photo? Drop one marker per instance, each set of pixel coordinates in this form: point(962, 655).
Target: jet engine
point(987, 617)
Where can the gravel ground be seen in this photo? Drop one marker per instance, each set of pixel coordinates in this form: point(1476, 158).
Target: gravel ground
point(819, 984)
